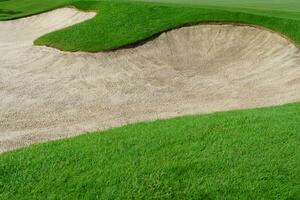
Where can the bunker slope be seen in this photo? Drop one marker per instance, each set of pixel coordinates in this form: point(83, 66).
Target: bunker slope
point(49, 94)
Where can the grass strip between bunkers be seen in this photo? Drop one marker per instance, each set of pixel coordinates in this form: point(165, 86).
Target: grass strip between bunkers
point(120, 24)
point(251, 154)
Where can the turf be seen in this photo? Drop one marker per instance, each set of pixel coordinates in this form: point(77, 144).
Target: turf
point(119, 24)
point(13, 9)
point(287, 5)
point(251, 154)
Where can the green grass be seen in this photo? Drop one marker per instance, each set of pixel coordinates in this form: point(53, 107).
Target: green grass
point(123, 23)
point(251, 154)
point(13, 9)
point(287, 5)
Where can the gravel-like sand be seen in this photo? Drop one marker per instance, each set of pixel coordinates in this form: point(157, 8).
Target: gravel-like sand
point(49, 94)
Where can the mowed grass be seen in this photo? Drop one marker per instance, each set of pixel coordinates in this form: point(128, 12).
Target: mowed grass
point(119, 24)
point(251, 154)
point(13, 9)
point(287, 5)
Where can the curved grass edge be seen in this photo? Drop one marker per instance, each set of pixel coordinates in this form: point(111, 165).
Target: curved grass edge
point(217, 113)
point(33, 8)
point(121, 32)
point(218, 155)
point(126, 24)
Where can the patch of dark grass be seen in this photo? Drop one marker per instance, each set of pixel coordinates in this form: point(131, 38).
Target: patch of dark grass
point(9, 12)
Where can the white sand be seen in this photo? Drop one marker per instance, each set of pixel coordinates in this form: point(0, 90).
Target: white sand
point(48, 94)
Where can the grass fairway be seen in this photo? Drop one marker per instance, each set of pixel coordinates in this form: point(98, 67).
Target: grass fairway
point(287, 5)
point(252, 154)
point(123, 23)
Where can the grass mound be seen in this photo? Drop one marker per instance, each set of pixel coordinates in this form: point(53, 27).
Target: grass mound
point(251, 154)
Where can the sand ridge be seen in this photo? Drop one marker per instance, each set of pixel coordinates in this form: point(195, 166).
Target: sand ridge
point(48, 94)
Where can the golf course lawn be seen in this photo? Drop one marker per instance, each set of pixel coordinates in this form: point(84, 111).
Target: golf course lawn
point(251, 154)
point(244, 154)
point(124, 23)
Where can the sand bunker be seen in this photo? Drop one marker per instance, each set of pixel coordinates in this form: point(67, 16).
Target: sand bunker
point(49, 94)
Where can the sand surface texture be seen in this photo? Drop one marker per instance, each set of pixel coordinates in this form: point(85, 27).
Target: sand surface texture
point(48, 94)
